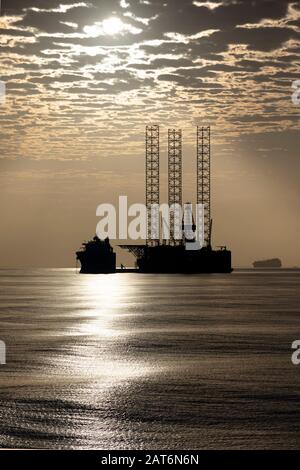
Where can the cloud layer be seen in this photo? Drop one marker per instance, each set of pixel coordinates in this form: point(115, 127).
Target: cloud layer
point(178, 63)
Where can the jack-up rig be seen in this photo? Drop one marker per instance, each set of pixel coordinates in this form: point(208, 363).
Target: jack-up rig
point(173, 255)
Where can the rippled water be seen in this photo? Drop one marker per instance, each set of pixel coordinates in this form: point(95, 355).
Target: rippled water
point(137, 361)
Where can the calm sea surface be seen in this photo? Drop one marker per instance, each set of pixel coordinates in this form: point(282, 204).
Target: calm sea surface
point(132, 361)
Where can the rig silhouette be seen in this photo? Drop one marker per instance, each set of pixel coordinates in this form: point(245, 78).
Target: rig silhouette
point(173, 255)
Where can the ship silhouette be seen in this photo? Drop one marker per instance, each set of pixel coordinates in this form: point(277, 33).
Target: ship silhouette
point(97, 256)
point(268, 263)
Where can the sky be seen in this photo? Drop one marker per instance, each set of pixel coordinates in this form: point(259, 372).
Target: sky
point(83, 78)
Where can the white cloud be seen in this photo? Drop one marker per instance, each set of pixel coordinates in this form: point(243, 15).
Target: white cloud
point(209, 5)
point(124, 4)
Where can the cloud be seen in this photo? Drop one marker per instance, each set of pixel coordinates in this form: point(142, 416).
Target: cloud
point(223, 59)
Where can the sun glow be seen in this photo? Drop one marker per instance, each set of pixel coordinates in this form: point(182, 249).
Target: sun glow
point(112, 26)
point(109, 27)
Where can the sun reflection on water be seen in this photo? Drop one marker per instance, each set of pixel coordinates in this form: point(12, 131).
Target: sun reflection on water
point(105, 296)
point(99, 342)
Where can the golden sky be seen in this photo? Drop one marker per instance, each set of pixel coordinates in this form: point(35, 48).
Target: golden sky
point(84, 78)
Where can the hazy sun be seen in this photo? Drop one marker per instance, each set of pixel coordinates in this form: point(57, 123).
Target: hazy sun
point(112, 26)
point(109, 27)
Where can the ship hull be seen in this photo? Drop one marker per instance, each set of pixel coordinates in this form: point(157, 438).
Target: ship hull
point(97, 265)
point(269, 263)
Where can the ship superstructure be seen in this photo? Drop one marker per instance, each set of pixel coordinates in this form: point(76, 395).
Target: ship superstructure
point(96, 257)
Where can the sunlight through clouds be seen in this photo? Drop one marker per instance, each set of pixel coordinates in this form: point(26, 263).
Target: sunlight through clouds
point(110, 27)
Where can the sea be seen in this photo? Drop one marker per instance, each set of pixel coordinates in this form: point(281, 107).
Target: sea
point(142, 361)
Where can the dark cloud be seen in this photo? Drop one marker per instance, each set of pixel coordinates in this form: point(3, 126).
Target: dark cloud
point(259, 39)
point(170, 16)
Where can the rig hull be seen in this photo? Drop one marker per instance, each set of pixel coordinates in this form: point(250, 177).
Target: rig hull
point(178, 260)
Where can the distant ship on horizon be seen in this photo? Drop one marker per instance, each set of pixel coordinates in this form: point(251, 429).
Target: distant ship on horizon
point(268, 263)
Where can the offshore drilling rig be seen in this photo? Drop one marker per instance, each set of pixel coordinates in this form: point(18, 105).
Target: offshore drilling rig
point(179, 255)
point(175, 254)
